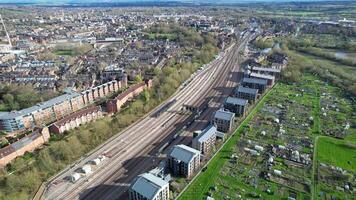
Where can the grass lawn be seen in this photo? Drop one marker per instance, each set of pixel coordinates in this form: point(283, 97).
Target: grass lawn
point(64, 52)
point(337, 152)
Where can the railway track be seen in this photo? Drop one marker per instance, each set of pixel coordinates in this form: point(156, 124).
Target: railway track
point(134, 143)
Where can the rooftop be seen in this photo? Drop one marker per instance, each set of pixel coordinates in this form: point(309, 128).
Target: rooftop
point(247, 90)
point(184, 153)
point(262, 76)
point(148, 185)
point(224, 115)
point(207, 133)
point(236, 101)
point(254, 80)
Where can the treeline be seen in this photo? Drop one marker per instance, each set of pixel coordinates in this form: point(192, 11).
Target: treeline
point(336, 74)
point(328, 55)
point(187, 37)
point(31, 170)
point(16, 97)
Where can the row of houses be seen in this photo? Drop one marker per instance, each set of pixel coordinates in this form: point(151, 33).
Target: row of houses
point(83, 116)
point(94, 112)
point(56, 108)
point(26, 144)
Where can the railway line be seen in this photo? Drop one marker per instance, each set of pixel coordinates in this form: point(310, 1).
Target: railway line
point(133, 151)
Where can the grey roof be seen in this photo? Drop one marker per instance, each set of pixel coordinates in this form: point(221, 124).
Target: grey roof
point(236, 101)
point(224, 115)
point(148, 185)
point(255, 80)
point(184, 153)
point(207, 133)
point(247, 90)
point(264, 69)
point(262, 76)
point(24, 141)
point(40, 106)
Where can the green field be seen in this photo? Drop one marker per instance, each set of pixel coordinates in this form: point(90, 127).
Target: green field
point(337, 152)
point(65, 52)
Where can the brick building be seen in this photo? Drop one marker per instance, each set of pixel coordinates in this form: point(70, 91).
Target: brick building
point(26, 144)
point(114, 105)
point(76, 119)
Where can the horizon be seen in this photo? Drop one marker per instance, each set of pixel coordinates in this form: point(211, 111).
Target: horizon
point(62, 2)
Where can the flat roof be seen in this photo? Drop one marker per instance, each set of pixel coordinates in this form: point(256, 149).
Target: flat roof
point(263, 76)
point(236, 101)
point(148, 185)
point(224, 115)
point(183, 153)
point(255, 80)
point(247, 90)
point(266, 69)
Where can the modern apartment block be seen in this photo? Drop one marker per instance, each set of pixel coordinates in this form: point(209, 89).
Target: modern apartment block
point(236, 105)
point(183, 160)
point(55, 109)
point(76, 119)
point(149, 187)
point(223, 120)
point(246, 93)
point(270, 79)
point(205, 141)
point(264, 70)
point(41, 114)
point(255, 83)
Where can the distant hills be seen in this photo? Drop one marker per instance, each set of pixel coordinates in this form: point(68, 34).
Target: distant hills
point(59, 2)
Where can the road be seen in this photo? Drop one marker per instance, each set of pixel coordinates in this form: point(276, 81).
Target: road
point(134, 150)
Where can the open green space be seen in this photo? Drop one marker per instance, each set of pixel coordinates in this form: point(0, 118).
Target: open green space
point(226, 178)
point(64, 52)
point(337, 152)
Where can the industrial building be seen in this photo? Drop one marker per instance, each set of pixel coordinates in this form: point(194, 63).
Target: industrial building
point(183, 160)
point(149, 187)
